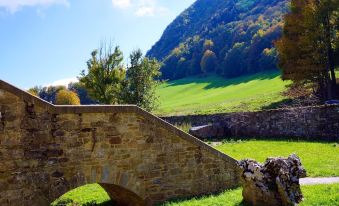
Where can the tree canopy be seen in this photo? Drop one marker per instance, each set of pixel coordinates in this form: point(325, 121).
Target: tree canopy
point(66, 97)
point(139, 87)
point(221, 27)
point(104, 75)
point(307, 47)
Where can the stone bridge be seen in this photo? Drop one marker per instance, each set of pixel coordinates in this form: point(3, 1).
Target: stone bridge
point(139, 159)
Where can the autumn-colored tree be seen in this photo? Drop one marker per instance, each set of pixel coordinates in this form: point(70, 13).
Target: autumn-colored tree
point(208, 45)
point(305, 50)
point(208, 62)
point(34, 91)
point(66, 97)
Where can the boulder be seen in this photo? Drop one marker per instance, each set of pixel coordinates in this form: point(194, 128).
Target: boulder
point(276, 182)
point(212, 131)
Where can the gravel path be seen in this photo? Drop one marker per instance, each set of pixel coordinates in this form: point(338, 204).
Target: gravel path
point(319, 180)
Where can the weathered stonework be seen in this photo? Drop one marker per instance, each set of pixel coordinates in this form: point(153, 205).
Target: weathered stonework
point(47, 150)
point(276, 182)
point(311, 123)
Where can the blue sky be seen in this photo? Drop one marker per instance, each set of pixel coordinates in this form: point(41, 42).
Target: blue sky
point(43, 41)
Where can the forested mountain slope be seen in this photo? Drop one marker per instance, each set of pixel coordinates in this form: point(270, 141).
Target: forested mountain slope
point(229, 37)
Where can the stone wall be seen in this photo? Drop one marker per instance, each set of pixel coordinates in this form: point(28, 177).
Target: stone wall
point(47, 150)
point(311, 123)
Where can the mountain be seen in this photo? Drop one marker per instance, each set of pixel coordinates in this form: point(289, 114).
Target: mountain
point(228, 37)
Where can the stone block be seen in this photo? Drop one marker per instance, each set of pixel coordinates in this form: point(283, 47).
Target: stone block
point(209, 131)
point(115, 140)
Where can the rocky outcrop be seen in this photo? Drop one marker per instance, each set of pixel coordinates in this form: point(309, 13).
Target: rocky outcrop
point(276, 182)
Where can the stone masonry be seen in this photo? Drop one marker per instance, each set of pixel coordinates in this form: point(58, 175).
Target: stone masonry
point(47, 150)
point(311, 123)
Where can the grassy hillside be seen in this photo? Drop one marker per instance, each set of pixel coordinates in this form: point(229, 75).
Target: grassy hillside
point(213, 94)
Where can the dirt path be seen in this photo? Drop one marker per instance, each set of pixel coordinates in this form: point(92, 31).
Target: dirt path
point(319, 180)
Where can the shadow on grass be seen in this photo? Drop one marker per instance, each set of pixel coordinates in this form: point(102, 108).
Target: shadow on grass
point(235, 202)
point(238, 140)
point(215, 81)
point(276, 105)
point(242, 203)
point(68, 202)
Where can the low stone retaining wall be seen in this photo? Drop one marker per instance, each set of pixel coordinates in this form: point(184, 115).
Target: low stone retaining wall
point(311, 123)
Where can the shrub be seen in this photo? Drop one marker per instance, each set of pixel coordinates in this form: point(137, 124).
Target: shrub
point(66, 97)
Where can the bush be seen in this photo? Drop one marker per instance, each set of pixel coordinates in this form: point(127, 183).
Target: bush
point(66, 97)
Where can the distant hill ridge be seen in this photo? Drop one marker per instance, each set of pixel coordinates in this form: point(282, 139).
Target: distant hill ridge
point(229, 37)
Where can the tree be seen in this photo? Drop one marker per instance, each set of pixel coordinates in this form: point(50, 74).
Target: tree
point(105, 73)
point(208, 62)
point(305, 50)
point(328, 20)
point(233, 64)
point(82, 93)
point(34, 91)
point(140, 84)
point(66, 97)
point(208, 44)
point(49, 93)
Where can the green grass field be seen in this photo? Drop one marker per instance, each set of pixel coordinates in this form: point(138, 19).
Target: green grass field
point(93, 194)
point(315, 195)
point(319, 159)
point(214, 94)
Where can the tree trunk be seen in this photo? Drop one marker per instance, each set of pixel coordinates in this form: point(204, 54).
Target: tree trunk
point(330, 59)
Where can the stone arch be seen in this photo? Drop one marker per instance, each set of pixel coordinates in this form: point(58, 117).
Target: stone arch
point(121, 193)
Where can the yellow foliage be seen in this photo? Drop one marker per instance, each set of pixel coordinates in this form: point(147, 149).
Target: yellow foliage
point(66, 97)
point(33, 92)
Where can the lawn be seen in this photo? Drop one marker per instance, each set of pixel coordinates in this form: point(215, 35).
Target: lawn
point(319, 159)
point(89, 195)
point(315, 195)
point(212, 94)
point(94, 195)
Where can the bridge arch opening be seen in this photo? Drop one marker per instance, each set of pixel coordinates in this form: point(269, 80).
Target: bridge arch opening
point(99, 194)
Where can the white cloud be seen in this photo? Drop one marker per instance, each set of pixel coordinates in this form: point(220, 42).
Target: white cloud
point(141, 7)
point(63, 82)
point(15, 5)
point(145, 11)
point(121, 3)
